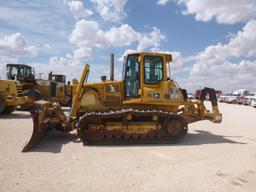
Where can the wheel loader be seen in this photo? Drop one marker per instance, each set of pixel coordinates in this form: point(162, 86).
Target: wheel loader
point(145, 106)
point(57, 77)
point(10, 96)
point(69, 89)
point(37, 89)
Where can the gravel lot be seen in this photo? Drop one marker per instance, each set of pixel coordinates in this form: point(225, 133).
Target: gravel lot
point(213, 157)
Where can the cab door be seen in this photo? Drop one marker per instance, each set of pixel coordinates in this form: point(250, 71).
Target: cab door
point(132, 84)
point(154, 78)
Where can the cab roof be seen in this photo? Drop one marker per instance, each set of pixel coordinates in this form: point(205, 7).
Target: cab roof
point(166, 54)
point(148, 53)
point(18, 65)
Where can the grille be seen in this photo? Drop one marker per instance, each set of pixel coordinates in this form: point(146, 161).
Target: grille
point(19, 90)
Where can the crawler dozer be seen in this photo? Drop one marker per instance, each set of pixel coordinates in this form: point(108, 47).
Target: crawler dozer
point(37, 89)
point(145, 106)
point(10, 96)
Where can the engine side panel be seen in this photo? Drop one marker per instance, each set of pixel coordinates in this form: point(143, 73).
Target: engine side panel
point(8, 87)
point(102, 96)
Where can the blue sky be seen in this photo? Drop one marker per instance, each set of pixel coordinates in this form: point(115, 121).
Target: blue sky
point(213, 43)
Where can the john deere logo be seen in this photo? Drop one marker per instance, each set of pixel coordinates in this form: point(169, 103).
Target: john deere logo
point(156, 95)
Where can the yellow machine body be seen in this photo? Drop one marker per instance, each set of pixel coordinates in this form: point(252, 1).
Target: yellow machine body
point(165, 95)
point(49, 90)
point(10, 96)
point(53, 89)
point(68, 88)
point(57, 77)
point(146, 105)
point(112, 93)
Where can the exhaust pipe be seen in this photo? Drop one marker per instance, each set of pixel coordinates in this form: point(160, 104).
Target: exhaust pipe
point(112, 67)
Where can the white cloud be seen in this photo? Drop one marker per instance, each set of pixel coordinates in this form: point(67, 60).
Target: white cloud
point(77, 8)
point(225, 76)
point(224, 11)
point(3, 61)
point(83, 53)
point(88, 34)
point(37, 23)
point(127, 51)
point(151, 40)
point(74, 59)
point(67, 65)
point(241, 45)
point(72, 68)
point(177, 62)
point(162, 2)
point(47, 46)
point(57, 65)
point(124, 35)
point(110, 10)
point(15, 45)
point(244, 44)
point(61, 61)
point(224, 65)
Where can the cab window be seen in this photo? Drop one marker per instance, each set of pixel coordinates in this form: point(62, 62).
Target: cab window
point(132, 76)
point(153, 69)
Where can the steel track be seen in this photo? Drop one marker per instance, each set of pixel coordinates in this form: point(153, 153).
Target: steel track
point(120, 136)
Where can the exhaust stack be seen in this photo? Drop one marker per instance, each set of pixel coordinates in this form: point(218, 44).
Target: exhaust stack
point(112, 63)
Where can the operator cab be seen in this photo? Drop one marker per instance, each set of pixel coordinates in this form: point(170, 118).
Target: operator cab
point(20, 72)
point(57, 77)
point(144, 70)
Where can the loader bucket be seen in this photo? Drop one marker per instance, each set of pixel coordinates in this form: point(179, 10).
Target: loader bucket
point(38, 129)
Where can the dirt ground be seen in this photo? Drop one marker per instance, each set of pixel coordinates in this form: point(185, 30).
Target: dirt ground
point(212, 157)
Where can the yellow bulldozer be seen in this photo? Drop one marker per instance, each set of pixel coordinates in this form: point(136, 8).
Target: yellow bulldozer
point(145, 106)
point(37, 89)
point(10, 96)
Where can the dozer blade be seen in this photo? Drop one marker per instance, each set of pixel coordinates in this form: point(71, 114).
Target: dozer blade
point(46, 116)
point(38, 129)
